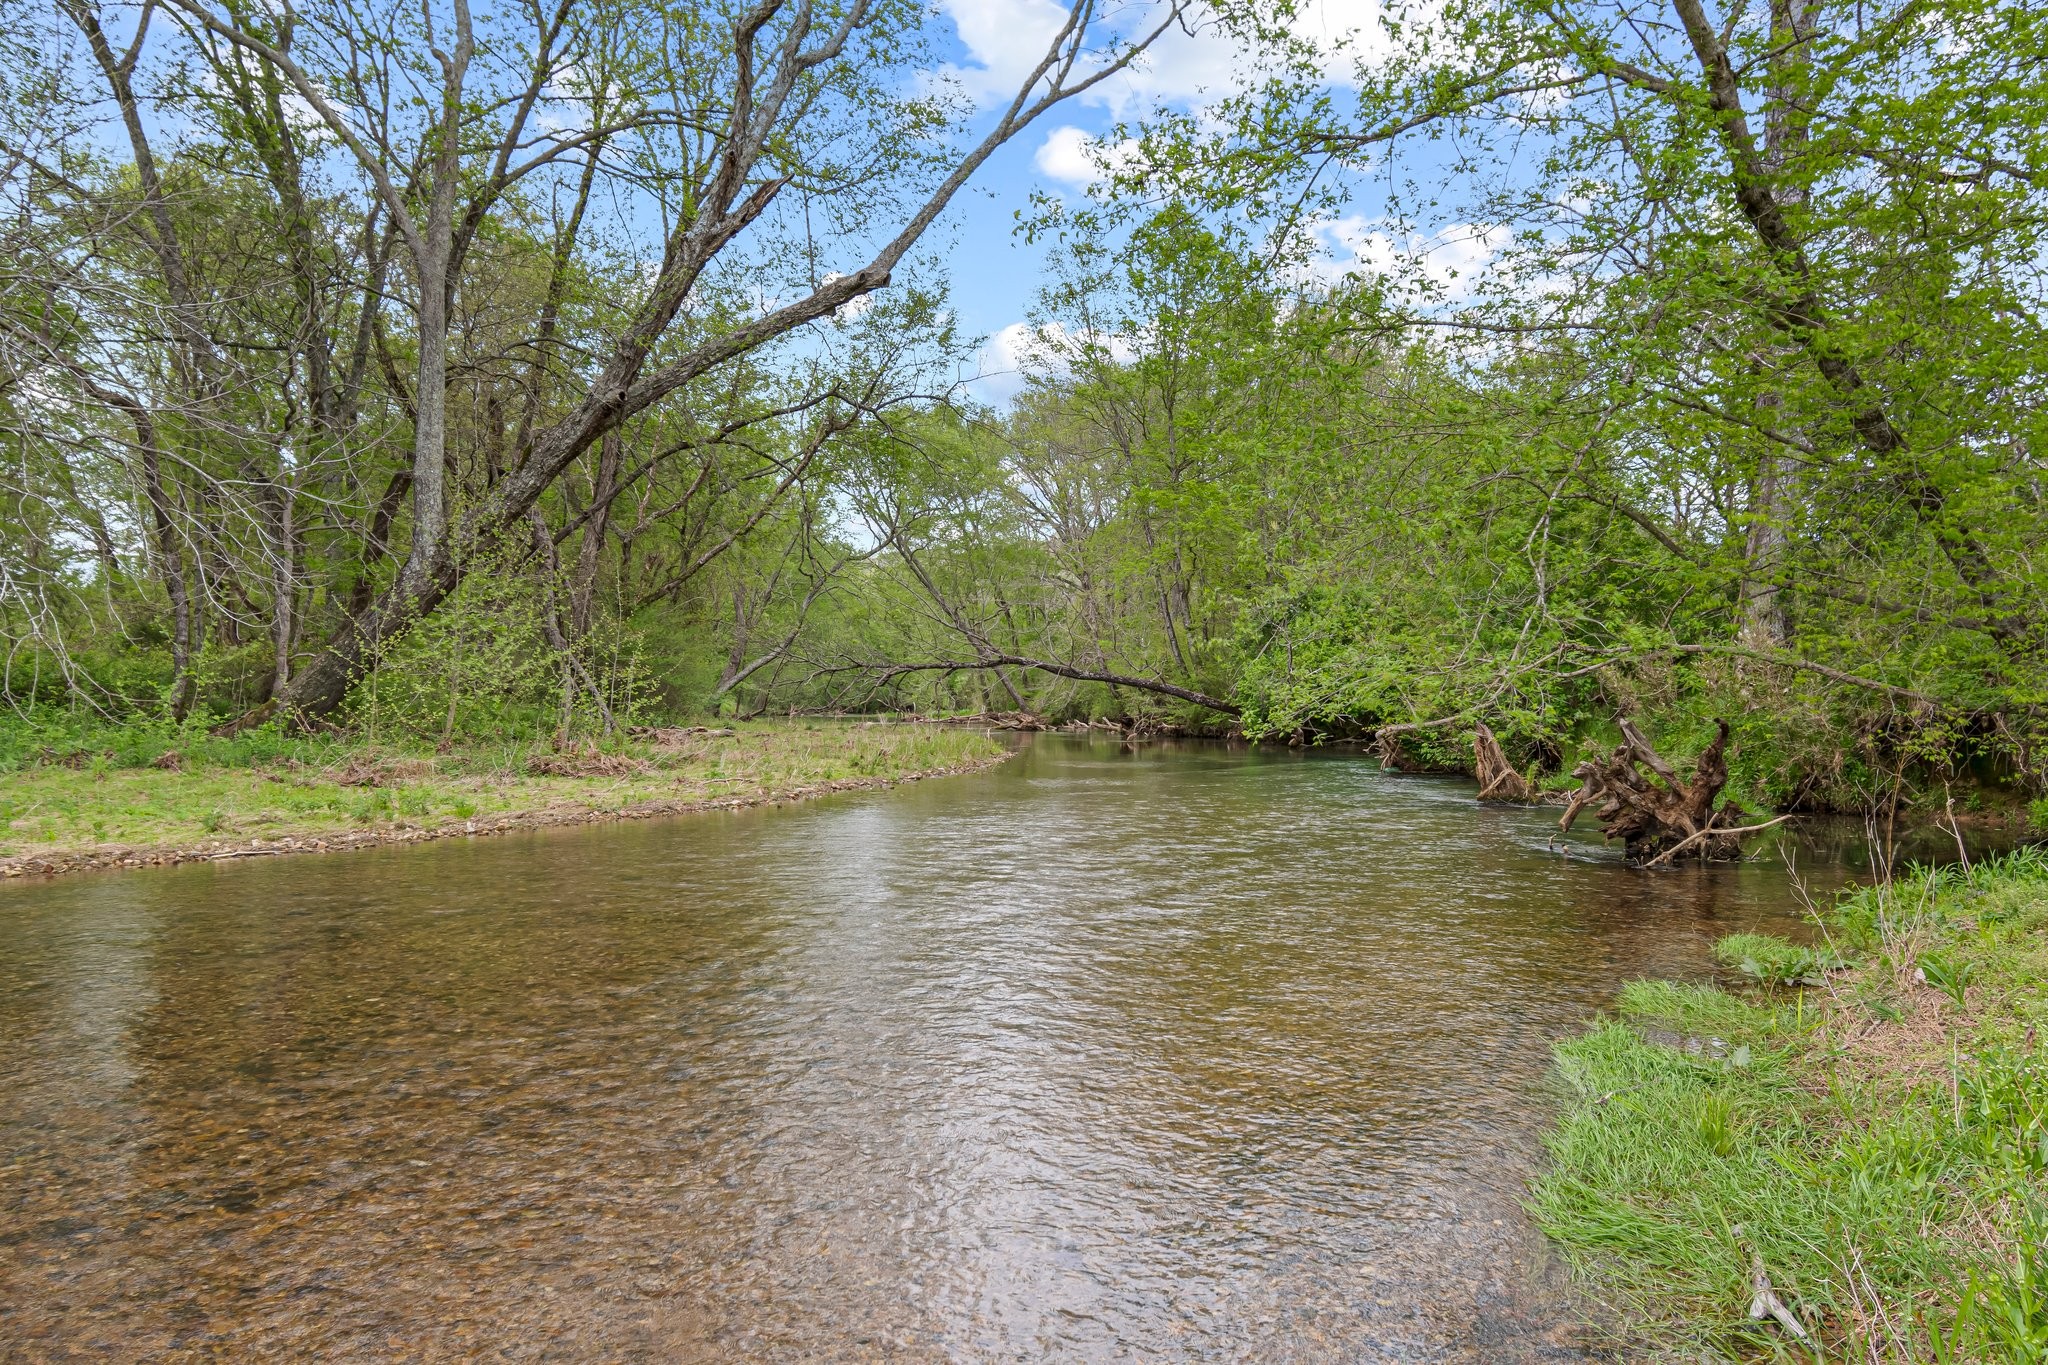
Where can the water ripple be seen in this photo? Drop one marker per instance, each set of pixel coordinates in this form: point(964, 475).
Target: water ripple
point(1188, 1053)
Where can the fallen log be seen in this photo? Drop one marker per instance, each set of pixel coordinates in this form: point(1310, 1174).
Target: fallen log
point(1640, 799)
point(1005, 720)
point(1716, 832)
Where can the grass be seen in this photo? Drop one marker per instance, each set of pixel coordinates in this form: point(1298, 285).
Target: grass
point(1874, 1143)
point(66, 791)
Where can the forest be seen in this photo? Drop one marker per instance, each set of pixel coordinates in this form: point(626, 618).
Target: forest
point(554, 367)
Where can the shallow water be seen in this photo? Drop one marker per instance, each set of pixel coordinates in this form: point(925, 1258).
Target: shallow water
point(1181, 1052)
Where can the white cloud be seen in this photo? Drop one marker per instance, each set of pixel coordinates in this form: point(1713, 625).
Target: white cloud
point(1024, 350)
point(1451, 262)
point(1074, 158)
point(1334, 24)
point(1188, 67)
point(1002, 364)
point(1005, 39)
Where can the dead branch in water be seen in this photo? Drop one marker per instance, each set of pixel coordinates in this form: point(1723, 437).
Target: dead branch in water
point(1668, 854)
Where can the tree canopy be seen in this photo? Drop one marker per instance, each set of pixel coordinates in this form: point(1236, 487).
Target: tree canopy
point(1513, 363)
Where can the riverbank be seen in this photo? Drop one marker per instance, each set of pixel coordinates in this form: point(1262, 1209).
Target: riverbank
point(1849, 1154)
point(112, 803)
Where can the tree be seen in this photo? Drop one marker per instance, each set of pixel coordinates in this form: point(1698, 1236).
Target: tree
point(1755, 292)
point(749, 148)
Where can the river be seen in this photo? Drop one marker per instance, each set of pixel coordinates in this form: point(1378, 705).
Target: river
point(1174, 1051)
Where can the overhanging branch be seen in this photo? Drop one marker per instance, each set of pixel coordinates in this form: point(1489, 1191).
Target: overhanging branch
point(885, 672)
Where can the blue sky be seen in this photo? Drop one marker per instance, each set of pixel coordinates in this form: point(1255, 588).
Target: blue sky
point(995, 274)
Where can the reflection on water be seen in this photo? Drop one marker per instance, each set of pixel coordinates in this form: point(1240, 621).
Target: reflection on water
point(1182, 1052)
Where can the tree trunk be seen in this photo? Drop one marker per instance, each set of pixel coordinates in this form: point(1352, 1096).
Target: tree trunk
point(1763, 624)
point(281, 498)
point(590, 550)
point(1760, 194)
point(430, 429)
point(170, 563)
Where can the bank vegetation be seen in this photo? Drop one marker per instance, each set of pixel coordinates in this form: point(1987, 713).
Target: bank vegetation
point(1842, 1157)
point(475, 371)
point(79, 798)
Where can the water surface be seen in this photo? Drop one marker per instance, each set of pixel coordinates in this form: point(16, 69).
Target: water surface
point(1174, 1052)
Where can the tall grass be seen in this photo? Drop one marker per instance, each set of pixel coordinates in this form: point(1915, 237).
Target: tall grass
point(1875, 1144)
point(51, 735)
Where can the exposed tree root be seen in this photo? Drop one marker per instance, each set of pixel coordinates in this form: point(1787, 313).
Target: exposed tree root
point(1498, 780)
point(1639, 798)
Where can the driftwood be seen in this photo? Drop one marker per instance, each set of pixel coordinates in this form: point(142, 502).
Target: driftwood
point(1498, 780)
point(1764, 1301)
point(1004, 720)
point(668, 736)
point(1718, 830)
point(1641, 800)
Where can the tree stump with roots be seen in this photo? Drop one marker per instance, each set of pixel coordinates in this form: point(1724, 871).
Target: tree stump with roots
point(1498, 780)
point(1640, 799)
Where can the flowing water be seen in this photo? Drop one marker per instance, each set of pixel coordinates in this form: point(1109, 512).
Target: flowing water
point(1169, 1052)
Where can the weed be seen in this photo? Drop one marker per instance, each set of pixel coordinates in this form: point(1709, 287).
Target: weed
point(1693, 1009)
point(1775, 961)
point(2005, 1307)
point(1716, 1118)
point(1951, 976)
point(370, 807)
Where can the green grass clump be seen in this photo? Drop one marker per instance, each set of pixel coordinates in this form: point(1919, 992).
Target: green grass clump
point(1775, 961)
point(1886, 1167)
point(1692, 1008)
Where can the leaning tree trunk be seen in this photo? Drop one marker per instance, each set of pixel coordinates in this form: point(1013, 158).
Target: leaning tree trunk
point(1657, 815)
